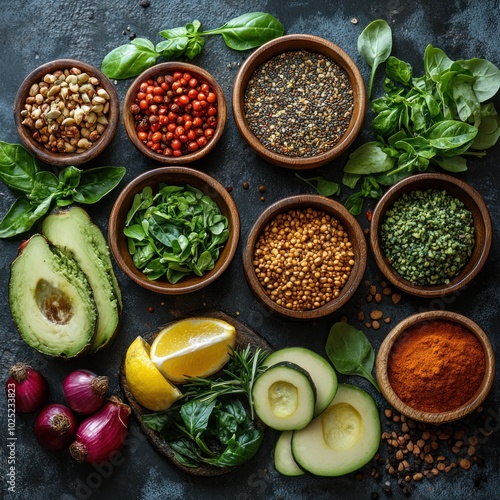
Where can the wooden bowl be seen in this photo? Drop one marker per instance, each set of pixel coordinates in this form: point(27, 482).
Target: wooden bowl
point(35, 147)
point(163, 69)
point(356, 237)
point(295, 43)
point(384, 354)
point(482, 225)
point(178, 176)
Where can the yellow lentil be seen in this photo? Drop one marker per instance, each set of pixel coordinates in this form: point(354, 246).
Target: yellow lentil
point(303, 259)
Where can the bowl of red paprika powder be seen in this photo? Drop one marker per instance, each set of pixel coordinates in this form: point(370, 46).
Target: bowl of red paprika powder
point(174, 113)
point(435, 366)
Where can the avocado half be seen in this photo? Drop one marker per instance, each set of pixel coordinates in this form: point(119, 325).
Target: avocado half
point(72, 230)
point(51, 300)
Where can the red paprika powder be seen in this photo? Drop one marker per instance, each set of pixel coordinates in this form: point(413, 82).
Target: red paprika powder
point(436, 366)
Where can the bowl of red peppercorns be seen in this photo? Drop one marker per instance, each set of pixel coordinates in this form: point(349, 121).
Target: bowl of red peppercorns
point(66, 112)
point(305, 257)
point(174, 113)
point(299, 101)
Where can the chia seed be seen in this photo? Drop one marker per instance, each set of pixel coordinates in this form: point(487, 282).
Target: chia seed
point(428, 236)
point(299, 103)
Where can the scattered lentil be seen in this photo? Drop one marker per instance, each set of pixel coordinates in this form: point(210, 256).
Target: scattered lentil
point(245, 185)
point(299, 103)
point(66, 111)
point(303, 258)
point(428, 236)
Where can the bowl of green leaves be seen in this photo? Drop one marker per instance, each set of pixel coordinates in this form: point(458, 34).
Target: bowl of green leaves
point(174, 230)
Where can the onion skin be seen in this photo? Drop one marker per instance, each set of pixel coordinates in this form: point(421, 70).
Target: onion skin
point(102, 434)
point(55, 427)
point(85, 391)
point(31, 389)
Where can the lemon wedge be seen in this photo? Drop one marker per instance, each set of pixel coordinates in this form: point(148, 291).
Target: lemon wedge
point(193, 347)
point(148, 386)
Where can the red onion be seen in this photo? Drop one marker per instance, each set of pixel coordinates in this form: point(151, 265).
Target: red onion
point(101, 434)
point(85, 391)
point(55, 427)
point(29, 388)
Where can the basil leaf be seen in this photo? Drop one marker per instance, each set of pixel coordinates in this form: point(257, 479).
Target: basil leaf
point(46, 184)
point(173, 48)
point(350, 180)
point(375, 46)
point(96, 183)
point(351, 352)
point(249, 30)
point(17, 167)
point(399, 71)
point(22, 215)
point(194, 47)
point(129, 60)
point(195, 415)
point(386, 122)
point(354, 203)
point(70, 176)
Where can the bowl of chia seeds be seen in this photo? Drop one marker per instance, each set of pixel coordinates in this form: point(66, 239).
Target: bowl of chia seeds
point(431, 234)
point(299, 101)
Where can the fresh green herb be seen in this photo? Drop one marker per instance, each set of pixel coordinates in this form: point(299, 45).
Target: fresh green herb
point(186, 42)
point(38, 191)
point(428, 236)
point(351, 352)
point(423, 122)
point(174, 233)
point(375, 46)
point(219, 409)
point(323, 186)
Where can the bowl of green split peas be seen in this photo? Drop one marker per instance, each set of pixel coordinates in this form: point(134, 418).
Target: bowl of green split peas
point(431, 234)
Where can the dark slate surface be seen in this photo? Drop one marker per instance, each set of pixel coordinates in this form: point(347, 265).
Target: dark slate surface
point(34, 32)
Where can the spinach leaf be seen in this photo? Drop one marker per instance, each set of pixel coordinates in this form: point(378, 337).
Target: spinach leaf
point(129, 60)
point(399, 71)
point(175, 233)
point(489, 128)
point(375, 46)
point(323, 186)
point(351, 352)
point(487, 77)
point(449, 134)
point(369, 189)
point(436, 62)
point(369, 158)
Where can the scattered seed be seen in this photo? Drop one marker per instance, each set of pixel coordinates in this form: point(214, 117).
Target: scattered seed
point(376, 314)
point(245, 185)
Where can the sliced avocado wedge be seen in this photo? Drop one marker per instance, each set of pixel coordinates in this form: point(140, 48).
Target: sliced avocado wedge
point(284, 462)
point(343, 438)
point(284, 397)
point(320, 370)
point(72, 229)
point(51, 300)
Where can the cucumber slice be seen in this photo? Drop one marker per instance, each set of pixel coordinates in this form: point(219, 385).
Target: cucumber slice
point(320, 370)
point(343, 438)
point(284, 462)
point(284, 397)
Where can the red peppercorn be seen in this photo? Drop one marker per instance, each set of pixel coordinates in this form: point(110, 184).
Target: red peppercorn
point(175, 114)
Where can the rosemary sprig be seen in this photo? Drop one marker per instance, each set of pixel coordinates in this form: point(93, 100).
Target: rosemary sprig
point(243, 367)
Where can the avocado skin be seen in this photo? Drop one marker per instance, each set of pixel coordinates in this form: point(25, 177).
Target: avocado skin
point(72, 229)
point(51, 301)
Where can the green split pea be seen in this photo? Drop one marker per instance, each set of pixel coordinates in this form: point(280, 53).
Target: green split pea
point(428, 236)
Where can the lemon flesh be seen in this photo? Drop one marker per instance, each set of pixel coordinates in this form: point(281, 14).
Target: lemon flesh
point(148, 386)
point(193, 347)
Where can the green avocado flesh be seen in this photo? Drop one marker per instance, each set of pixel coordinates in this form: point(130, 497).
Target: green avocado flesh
point(72, 230)
point(321, 371)
point(284, 462)
point(343, 438)
point(284, 397)
point(51, 300)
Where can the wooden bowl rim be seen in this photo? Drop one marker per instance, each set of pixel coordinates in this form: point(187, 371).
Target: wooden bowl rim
point(349, 223)
point(163, 68)
point(482, 223)
point(290, 43)
point(423, 416)
point(118, 241)
point(65, 159)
